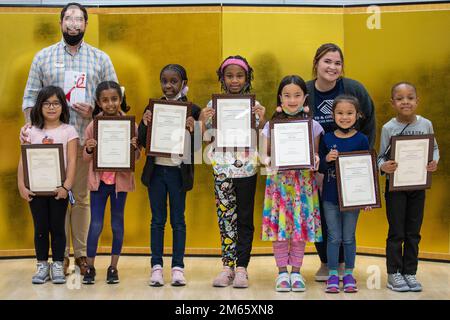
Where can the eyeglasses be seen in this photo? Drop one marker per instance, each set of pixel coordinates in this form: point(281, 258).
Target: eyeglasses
point(55, 105)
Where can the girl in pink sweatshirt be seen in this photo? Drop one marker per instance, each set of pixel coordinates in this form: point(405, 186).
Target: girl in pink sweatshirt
point(104, 185)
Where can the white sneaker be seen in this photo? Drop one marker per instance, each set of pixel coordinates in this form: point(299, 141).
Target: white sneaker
point(297, 282)
point(156, 279)
point(283, 282)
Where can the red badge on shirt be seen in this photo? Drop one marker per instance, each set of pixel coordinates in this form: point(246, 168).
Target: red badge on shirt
point(47, 140)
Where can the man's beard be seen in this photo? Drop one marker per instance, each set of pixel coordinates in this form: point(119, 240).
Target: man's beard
point(72, 40)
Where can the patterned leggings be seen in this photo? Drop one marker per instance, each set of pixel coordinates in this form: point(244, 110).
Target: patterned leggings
point(226, 213)
point(235, 205)
point(289, 252)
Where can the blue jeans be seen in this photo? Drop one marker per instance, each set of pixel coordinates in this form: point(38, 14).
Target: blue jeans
point(98, 204)
point(341, 230)
point(165, 181)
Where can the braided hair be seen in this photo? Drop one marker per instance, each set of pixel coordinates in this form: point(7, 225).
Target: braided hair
point(177, 68)
point(248, 75)
point(181, 72)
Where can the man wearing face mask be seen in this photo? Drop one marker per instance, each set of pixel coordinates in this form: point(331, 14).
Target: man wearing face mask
point(78, 68)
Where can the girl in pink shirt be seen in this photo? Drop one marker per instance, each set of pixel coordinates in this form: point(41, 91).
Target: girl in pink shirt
point(49, 120)
point(104, 185)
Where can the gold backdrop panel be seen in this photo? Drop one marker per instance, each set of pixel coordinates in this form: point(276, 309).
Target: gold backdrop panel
point(408, 47)
point(140, 45)
point(23, 36)
point(276, 42)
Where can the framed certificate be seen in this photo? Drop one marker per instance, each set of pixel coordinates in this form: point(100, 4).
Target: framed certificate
point(114, 151)
point(357, 180)
point(166, 133)
point(292, 144)
point(234, 121)
point(43, 166)
point(412, 153)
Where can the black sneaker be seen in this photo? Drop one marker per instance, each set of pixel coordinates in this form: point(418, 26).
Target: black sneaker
point(89, 275)
point(112, 276)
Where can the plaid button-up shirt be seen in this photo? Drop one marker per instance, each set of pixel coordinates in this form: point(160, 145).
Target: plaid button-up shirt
point(49, 66)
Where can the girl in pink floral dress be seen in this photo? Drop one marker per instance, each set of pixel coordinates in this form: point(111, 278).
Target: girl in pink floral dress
point(291, 214)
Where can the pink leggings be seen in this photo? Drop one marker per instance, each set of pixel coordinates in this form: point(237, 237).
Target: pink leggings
point(285, 255)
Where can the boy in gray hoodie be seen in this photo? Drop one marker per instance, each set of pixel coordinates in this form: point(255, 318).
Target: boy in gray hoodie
point(404, 208)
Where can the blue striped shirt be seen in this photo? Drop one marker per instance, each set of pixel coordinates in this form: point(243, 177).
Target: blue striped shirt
point(49, 66)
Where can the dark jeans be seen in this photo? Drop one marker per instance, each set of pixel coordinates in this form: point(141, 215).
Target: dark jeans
point(165, 181)
point(321, 247)
point(98, 204)
point(245, 189)
point(49, 216)
point(404, 211)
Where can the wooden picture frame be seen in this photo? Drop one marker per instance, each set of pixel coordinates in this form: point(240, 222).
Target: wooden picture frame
point(287, 137)
point(159, 138)
point(357, 180)
point(250, 136)
point(43, 167)
point(412, 153)
point(114, 152)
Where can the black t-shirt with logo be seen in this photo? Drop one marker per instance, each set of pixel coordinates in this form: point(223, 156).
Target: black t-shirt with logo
point(323, 103)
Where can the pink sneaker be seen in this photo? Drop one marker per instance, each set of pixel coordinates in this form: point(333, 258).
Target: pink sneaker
point(241, 278)
point(156, 280)
point(225, 278)
point(178, 279)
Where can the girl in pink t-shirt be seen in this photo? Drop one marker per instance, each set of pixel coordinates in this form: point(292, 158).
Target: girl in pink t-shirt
point(49, 120)
point(104, 185)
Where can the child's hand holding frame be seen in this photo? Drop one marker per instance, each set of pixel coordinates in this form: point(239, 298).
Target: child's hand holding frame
point(432, 166)
point(90, 145)
point(389, 166)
